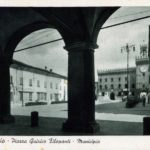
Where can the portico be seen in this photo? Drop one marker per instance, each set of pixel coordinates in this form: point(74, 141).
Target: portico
point(79, 28)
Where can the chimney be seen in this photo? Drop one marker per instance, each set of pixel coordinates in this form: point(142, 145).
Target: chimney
point(51, 70)
point(45, 67)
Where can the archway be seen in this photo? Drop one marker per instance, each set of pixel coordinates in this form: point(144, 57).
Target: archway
point(80, 35)
point(39, 76)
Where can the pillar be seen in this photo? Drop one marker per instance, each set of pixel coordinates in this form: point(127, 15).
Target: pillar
point(81, 89)
point(5, 116)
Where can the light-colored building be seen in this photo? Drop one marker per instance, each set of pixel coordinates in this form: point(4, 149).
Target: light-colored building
point(116, 80)
point(31, 84)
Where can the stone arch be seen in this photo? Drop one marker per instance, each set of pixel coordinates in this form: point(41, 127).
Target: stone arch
point(101, 20)
point(23, 32)
point(81, 58)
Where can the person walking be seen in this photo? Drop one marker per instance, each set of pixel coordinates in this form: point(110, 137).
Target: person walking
point(143, 97)
point(148, 96)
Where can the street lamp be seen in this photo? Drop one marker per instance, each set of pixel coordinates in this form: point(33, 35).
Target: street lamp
point(22, 80)
point(128, 48)
point(149, 53)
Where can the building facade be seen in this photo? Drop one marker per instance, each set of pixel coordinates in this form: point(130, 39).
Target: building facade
point(116, 80)
point(31, 84)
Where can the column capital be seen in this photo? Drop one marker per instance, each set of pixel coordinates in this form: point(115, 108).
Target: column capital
point(80, 46)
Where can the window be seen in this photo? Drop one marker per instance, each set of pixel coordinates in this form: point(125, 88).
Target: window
point(21, 81)
point(133, 85)
point(105, 86)
point(30, 96)
point(112, 79)
point(30, 82)
point(119, 79)
point(42, 96)
point(100, 80)
point(51, 85)
point(45, 84)
point(51, 96)
point(112, 86)
point(38, 96)
point(100, 87)
point(45, 96)
point(143, 74)
point(56, 86)
point(105, 79)
point(119, 93)
point(133, 93)
point(126, 86)
point(143, 85)
point(21, 96)
point(119, 86)
point(38, 83)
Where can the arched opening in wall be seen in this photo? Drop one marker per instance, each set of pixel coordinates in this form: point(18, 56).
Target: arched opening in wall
point(122, 71)
point(38, 76)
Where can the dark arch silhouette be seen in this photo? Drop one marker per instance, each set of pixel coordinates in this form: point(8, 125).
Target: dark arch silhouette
point(101, 20)
point(23, 32)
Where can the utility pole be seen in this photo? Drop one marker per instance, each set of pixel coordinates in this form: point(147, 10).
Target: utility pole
point(149, 48)
point(22, 87)
point(128, 48)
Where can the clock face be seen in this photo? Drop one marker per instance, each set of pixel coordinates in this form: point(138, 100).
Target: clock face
point(143, 69)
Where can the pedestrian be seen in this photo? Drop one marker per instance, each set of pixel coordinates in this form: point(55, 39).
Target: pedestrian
point(148, 96)
point(112, 95)
point(143, 98)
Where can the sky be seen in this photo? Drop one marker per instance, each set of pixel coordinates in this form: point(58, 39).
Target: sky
point(110, 41)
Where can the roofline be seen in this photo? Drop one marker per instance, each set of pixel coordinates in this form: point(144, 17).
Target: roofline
point(22, 66)
point(118, 70)
point(142, 60)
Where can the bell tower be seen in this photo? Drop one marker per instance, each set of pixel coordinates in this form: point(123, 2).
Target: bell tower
point(143, 50)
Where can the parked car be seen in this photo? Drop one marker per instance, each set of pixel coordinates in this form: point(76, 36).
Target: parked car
point(132, 101)
point(130, 98)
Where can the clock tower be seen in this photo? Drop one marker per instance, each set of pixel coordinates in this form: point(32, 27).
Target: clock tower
point(142, 73)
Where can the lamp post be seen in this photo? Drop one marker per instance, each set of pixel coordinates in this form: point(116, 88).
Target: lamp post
point(149, 47)
point(22, 80)
point(128, 48)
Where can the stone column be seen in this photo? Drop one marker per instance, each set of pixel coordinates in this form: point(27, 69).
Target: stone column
point(5, 116)
point(81, 89)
